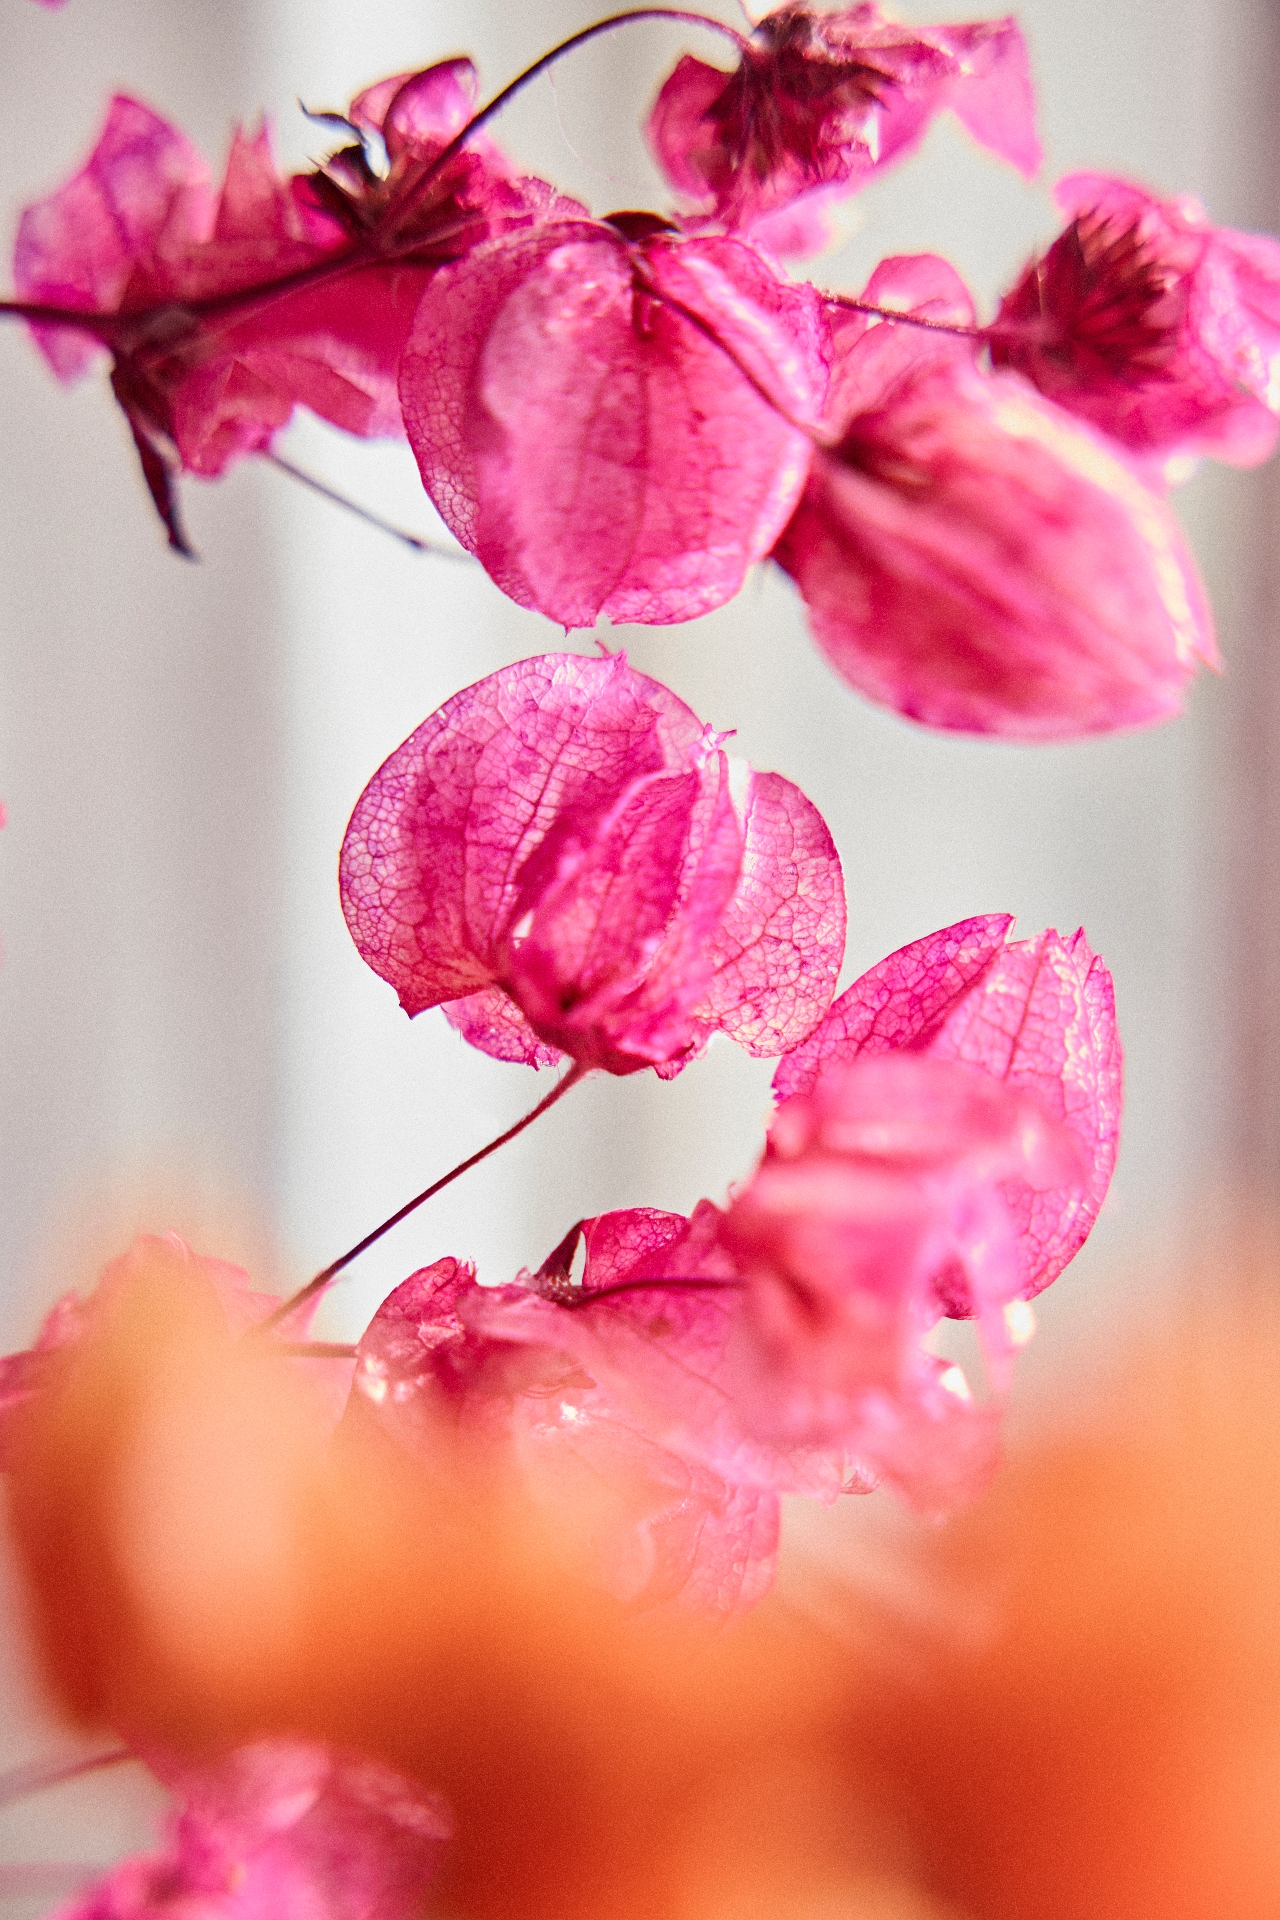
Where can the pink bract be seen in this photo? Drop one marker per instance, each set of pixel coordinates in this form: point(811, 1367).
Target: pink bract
point(282, 1830)
point(1036, 1013)
point(978, 559)
point(564, 856)
point(890, 1173)
point(822, 102)
point(614, 419)
point(1157, 326)
point(140, 232)
point(651, 1526)
point(654, 1321)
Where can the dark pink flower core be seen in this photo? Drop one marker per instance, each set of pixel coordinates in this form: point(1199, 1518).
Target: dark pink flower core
point(566, 859)
point(822, 101)
point(615, 420)
point(1157, 326)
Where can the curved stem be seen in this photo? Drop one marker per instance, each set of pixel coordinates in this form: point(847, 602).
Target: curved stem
point(289, 1307)
point(557, 52)
point(108, 326)
point(20, 1782)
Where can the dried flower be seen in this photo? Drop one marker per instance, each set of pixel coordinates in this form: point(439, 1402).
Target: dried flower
point(565, 857)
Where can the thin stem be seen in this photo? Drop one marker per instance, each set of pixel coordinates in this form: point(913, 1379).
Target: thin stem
point(109, 326)
point(576, 1072)
point(20, 1782)
point(907, 319)
point(557, 52)
point(40, 313)
point(584, 1297)
point(366, 514)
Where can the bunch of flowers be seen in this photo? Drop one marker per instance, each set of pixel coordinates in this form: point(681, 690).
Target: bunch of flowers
point(619, 417)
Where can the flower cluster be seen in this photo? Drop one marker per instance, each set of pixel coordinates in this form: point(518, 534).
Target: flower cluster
point(619, 417)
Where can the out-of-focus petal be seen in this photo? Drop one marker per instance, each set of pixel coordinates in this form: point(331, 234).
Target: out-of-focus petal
point(978, 560)
point(282, 1828)
point(650, 1523)
point(822, 102)
point(144, 187)
point(1150, 322)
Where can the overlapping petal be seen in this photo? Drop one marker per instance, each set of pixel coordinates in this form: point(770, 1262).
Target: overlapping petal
point(1036, 1013)
point(207, 368)
point(1149, 321)
point(649, 1524)
point(889, 1173)
point(144, 188)
point(285, 1829)
point(565, 854)
point(979, 560)
point(821, 102)
point(614, 422)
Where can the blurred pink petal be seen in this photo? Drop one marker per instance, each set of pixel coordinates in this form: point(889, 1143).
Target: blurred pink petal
point(978, 560)
point(281, 1830)
point(222, 1291)
point(143, 188)
point(652, 1525)
point(1036, 1013)
point(824, 101)
point(614, 425)
point(568, 836)
point(889, 1173)
point(1152, 323)
point(139, 231)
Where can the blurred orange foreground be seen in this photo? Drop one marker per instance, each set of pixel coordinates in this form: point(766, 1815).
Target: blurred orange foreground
point(1075, 1711)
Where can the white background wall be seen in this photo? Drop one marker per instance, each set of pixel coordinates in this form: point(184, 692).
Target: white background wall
point(187, 1035)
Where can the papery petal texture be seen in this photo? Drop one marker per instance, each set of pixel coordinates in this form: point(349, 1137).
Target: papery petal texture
point(281, 1830)
point(825, 101)
point(652, 1525)
point(1157, 326)
point(565, 854)
point(977, 559)
point(889, 1173)
point(1036, 1013)
point(653, 1322)
point(614, 426)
